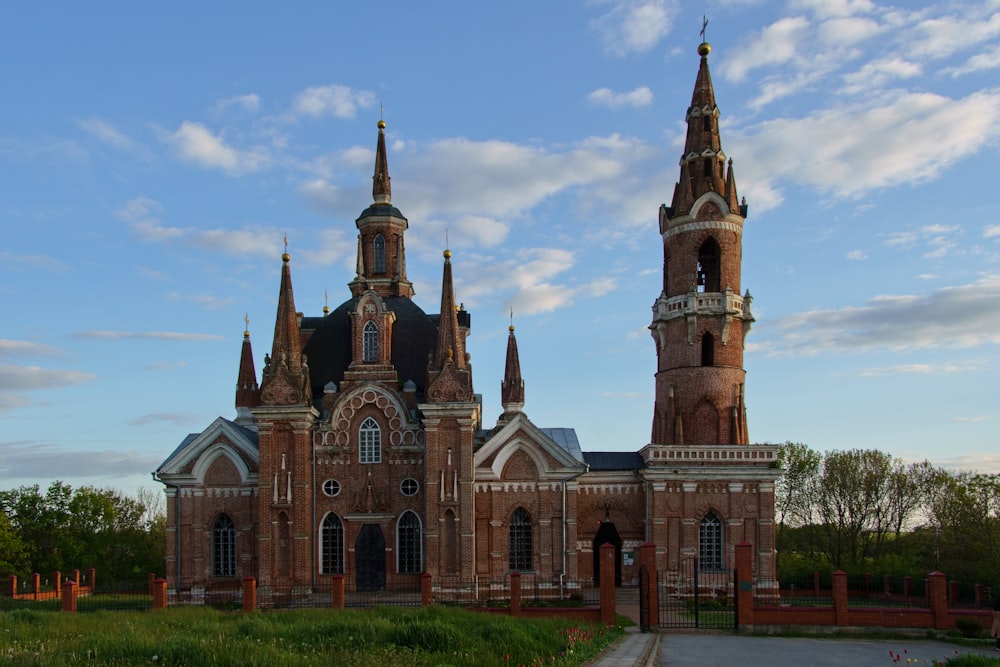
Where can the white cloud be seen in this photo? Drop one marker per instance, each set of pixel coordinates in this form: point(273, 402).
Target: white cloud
point(23, 378)
point(923, 369)
point(856, 255)
point(834, 8)
point(196, 143)
point(605, 97)
point(988, 59)
point(172, 418)
point(963, 317)
point(942, 36)
point(10, 260)
point(634, 26)
point(12, 348)
point(249, 102)
point(106, 133)
point(847, 31)
point(776, 44)
point(35, 459)
point(332, 100)
point(940, 239)
point(991, 231)
point(206, 301)
point(877, 74)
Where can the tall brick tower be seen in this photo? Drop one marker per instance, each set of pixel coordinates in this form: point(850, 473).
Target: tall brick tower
point(700, 319)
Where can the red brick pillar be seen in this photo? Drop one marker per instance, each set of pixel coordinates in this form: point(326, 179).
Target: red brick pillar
point(426, 590)
point(840, 598)
point(649, 593)
point(744, 586)
point(607, 584)
point(952, 593)
point(159, 589)
point(979, 596)
point(815, 584)
point(75, 574)
point(92, 579)
point(36, 584)
point(57, 583)
point(937, 597)
point(249, 594)
point(337, 592)
point(69, 596)
point(515, 593)
point(13, 586)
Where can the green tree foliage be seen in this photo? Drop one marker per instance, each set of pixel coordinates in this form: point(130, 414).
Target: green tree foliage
point(964, 527)
point(13, 555)
point(65, 529)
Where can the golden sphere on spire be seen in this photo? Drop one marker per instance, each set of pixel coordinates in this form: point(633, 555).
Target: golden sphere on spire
point(704, 49)
point(381, 125)
point(285, 257)
point(447, 254)
point(511, 328)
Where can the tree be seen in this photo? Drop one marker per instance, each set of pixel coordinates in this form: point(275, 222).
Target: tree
point(13, 555)
point(793, 496)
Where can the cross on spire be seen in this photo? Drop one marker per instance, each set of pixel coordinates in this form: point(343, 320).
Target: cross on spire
point(704, 25)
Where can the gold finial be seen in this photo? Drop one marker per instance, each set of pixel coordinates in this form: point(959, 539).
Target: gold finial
point(447, 253)
point(381, 122)
point(511, 327)
point(246, 323)
point(326, 303)
point(285, 256)
point(704, 48)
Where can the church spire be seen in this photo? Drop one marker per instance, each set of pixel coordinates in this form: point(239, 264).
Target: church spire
point(285, 379)
point(247, 391)
point(512, 387)
point(449, 375)
point(381, 190)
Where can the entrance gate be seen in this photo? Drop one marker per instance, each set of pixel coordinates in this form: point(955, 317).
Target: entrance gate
point(369, 558)
point(690, 598)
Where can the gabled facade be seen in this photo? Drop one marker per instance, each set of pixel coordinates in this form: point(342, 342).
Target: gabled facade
point(363, 450)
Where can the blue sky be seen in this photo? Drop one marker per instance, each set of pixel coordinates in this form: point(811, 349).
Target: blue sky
point(153, 155)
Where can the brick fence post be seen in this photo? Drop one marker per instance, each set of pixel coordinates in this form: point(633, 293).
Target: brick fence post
point(426, 590)
point(36, 583)
point(159, 590)
point(937, 596)
point(57, 583)
point(744, 586)
point(515, 593)
point(648, 592)
point(337, 591)
point(69, 596)
point(13, 585)
point(840, 598)
point(75, 574)
point(249, 594)
point(607, 584)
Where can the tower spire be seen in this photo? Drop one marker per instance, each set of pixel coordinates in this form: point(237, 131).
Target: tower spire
point(381, 191)
point(247, 391)
point(449, 376)
point(285, 379)
point(512, 387)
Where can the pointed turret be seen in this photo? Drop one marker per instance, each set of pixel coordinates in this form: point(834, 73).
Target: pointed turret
point(449, 377)
point(247, 391)
point(285, 379)
point(381, 190)
point(512, 387)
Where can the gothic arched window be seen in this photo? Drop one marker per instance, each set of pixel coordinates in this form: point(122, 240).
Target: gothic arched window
point(331, 545)
point(520, 541)
point(709, 266)
point(223, 547)
point(409, 560)
point(370, 442)
point(369, 342)
point(379, 254)
point(710, 543)
point(708, 350)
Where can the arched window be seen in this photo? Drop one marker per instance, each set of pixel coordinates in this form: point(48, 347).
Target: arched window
point(409, 560)
point(370, 442)
point(708, 350)
point(223, 547)
point(710, 543)
point(709, 266)
point(379, 253)
point(331, 545)
point(369, 342)
point(520, 541)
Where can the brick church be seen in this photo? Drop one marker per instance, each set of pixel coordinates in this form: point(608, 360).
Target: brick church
point(364, 450)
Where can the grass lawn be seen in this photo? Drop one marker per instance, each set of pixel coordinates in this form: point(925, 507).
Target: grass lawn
point(385, 636)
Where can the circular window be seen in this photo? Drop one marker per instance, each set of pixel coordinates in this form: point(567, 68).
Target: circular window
point(409, 486)
point(331, 487)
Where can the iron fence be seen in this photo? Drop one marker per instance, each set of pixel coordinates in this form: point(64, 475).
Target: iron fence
point(535, 591)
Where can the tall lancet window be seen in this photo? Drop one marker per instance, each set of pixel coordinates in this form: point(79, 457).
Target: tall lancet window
point(223, 547)
point(370, 442)
point(331, 545)
point(379, 254)
point(369, 342)
point(708, 350)
point(710, 543)
point(520, 541)
point(709, 266)
point(408, 544)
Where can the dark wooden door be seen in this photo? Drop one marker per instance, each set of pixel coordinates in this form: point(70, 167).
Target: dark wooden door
point(369, 558)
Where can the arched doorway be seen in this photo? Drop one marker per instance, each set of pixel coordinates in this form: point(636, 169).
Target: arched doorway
point(607, 534)
point(369, 558)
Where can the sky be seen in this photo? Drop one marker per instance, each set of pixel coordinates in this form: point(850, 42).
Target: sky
point(154, 155)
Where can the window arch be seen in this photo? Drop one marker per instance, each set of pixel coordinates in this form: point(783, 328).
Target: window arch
point(710, 542)
point(223, 547)
point(370, 442)
point(409, 554)
point(369, 342)
point(520, 540)
point(331, 545)
point(708, 350)
point(379, 254)
point(709, 266)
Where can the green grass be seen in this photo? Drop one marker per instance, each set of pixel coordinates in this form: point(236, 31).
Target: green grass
point(386, 637)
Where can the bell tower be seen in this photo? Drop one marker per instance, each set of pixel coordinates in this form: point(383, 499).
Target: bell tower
point(700, 319)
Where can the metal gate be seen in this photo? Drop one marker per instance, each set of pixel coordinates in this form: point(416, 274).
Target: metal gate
point(693, 598)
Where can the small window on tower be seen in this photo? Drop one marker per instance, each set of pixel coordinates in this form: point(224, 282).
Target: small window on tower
point(379, 254)
point(707, 123)
point(708, 350)
point(370, 342)
point(707, 165)
point(709, 266)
